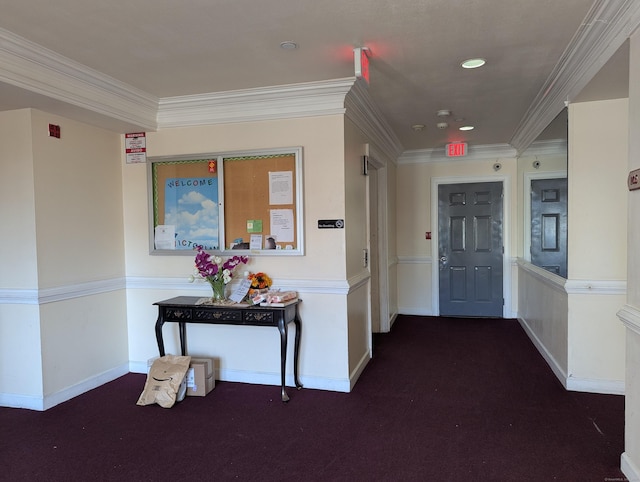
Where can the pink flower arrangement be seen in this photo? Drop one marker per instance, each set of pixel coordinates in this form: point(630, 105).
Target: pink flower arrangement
point(215, 267)
point(215, 270)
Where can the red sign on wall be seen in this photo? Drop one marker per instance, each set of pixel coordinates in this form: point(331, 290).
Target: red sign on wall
point(456, 149)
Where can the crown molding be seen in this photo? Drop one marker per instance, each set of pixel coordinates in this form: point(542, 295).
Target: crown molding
point(476, 153)
point(268, 103)
point(630, 316)
point(367, 116)
point(30, 66)
point(547, 148)
point(605, 28)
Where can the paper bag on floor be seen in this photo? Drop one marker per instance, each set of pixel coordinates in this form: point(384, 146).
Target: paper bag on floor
point(165, 376)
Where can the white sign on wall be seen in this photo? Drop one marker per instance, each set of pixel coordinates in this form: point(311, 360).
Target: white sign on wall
point(135, 145)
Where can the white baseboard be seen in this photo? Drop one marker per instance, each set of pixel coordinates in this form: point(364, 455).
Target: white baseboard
point(13, 400)
point(51, 400)
point(362, 364)
point(606, 387)
point(630, 470)
point(263, 378)
point(415, 311)
point(137, 367)
point(574, 384)
point(551, 361)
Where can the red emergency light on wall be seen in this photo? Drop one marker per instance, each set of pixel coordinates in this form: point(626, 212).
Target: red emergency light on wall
point(456, 149)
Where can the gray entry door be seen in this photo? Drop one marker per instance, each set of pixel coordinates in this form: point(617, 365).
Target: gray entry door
point(470, 249)
point(549, 225)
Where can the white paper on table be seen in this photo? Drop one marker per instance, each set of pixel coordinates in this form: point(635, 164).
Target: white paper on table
point(165, 236)
point(281, 187)
point(241, 291)
point(281, 221)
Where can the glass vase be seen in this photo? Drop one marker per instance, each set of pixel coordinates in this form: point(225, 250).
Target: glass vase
point(218, 289)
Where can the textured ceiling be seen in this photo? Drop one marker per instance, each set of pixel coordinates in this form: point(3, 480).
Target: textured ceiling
point(167, 48)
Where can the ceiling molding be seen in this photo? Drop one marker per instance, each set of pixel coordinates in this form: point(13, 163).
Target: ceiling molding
point(547, 148)
point(630, 316)
point(476, 153)
point(605, 28)
point(30, 66)
point(362, 110)
point(267, 103)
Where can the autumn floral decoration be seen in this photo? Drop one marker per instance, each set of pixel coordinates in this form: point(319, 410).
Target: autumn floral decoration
point(259, 281)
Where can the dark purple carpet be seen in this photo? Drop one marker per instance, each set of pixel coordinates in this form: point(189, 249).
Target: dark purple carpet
point(443, 399)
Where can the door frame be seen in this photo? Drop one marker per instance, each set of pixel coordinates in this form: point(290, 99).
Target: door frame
point(381, 250)
point(506, 238)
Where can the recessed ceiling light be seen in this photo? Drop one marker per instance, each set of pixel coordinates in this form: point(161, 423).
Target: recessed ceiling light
point(466, 128)
point(288, 45)
point(418, 127)
point(473, 63)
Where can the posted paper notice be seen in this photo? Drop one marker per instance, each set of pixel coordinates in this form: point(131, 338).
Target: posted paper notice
point(281, 187)
point(282, 224)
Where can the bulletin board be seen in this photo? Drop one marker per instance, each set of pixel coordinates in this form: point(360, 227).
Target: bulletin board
point(249, 201)
point(186, 201)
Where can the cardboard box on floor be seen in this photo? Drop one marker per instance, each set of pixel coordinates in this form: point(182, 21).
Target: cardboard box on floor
point(200, 379)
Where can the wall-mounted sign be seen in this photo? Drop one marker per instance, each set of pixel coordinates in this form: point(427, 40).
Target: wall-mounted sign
point(330, 223)
point(633, 181)
point(456, 149)
point(135, 144)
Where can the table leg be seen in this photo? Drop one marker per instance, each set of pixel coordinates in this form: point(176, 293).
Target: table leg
point(282, 328)
point(182, 328)
point(159, 339)
point(296, 351)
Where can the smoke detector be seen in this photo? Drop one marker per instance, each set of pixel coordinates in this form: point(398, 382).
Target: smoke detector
point(442, 125)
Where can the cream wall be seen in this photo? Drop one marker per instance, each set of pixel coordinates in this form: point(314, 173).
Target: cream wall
point(598, 189)
point(356, 230)
point(20, 355)
point(68, 321)
point(597, 240)
point(17, 202)
point(332, 310)
point(78, 203)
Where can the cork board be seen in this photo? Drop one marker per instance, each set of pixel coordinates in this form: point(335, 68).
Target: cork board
point(249, 205)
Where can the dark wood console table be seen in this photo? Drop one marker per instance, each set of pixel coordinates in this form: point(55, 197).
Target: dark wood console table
point(183, 310)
